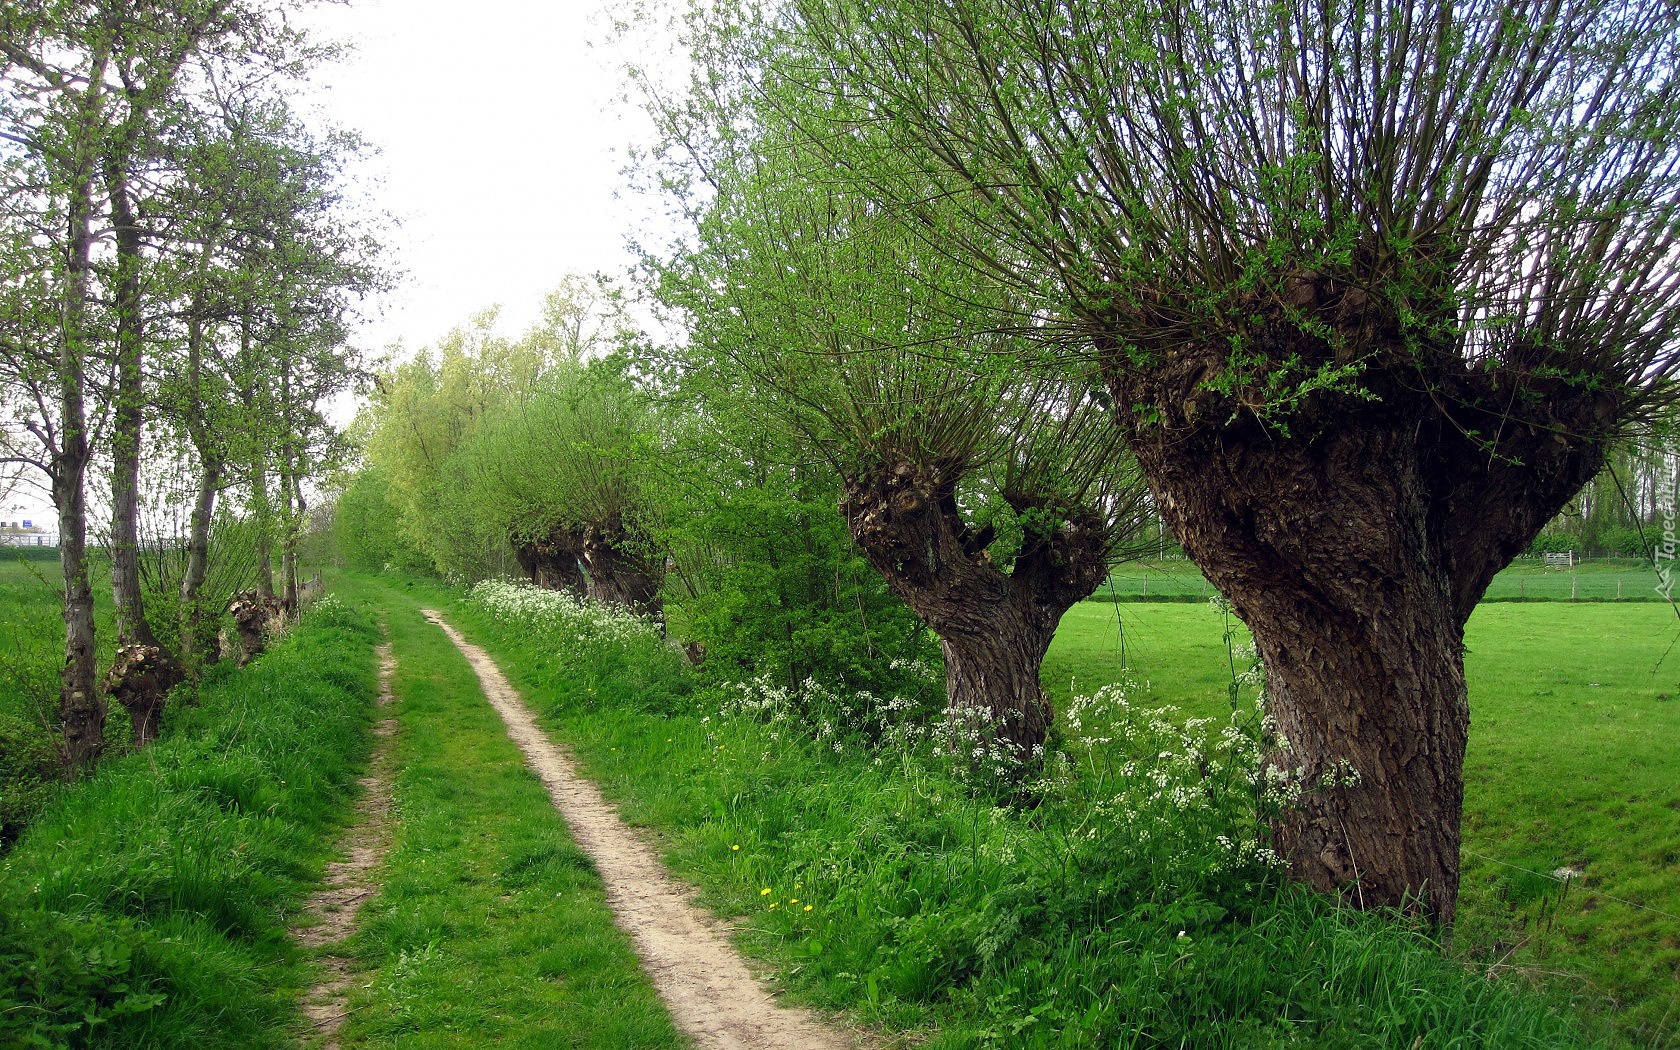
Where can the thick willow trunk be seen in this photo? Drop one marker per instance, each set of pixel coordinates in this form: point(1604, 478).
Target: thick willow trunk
point(553, 562)
point(622, 570)
point(1355, 545)
point(994, 626)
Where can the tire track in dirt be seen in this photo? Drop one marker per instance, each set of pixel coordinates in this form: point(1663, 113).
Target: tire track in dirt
point(331, 911)
point(712, 996)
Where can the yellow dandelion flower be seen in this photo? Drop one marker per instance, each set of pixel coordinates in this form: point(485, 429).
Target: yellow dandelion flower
point(765, 892)
point(807, 907)
point(774, 903)
point(736, 848)
point(793, 900)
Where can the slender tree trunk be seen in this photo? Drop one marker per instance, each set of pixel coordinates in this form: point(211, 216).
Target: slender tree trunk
point(81, 706)
point(263, 513)
point(1355, 551)
point(298, 508)
point(128, 419)
point(993, 626)
point(194, 647)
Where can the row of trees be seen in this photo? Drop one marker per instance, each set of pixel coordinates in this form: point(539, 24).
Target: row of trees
point(1356, 296)
point(1368, 289)
point(179, 271)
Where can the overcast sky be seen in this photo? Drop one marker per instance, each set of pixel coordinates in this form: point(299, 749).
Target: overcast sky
point(500, 150)
point(500, 145)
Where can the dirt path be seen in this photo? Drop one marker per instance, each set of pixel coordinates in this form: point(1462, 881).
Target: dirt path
point(711, 995)
point(331, 911)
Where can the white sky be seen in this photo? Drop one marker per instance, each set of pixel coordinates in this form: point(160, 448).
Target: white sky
point(501, 146)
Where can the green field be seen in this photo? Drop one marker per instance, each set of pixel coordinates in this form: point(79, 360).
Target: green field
point(1574, 761)
point(1528, 579)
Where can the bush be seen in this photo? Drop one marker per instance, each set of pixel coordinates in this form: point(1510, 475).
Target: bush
point(1553, 543)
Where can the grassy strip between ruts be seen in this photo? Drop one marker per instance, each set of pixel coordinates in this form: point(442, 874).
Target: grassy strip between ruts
point(490, 927)
point(147, 905)
point(878, 885)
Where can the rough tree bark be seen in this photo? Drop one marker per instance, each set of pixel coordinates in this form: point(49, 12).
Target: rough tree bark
point(1355, 543)
point(552, 562)
point(81, 705)
point(993, 626)
point(144, 672)
point(622, 570)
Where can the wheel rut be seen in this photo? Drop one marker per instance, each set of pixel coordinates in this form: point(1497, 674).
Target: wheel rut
point(330, 913)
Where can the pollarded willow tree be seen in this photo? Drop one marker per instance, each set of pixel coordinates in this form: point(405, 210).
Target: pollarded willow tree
point(986, 487)
point(425, 415)
point(1372, 284)
point(562, 469)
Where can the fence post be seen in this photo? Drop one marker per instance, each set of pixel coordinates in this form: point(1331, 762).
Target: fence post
point(1618, 588)
point(1146, 586)
point(1572, 579)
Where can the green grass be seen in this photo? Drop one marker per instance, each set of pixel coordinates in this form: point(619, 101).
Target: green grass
point(880, 885)
point(31, 654)
point(490, 927)
point(147, 905)
point(1527, 579)
point(1574, 761)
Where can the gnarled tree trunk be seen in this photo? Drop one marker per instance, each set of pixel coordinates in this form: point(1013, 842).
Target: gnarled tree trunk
point(622, 569)
point(1355, 545)
point(993, 626)
point(552, 562)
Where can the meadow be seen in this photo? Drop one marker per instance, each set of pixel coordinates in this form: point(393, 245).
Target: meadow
point(1527, 579)
point(876, 878)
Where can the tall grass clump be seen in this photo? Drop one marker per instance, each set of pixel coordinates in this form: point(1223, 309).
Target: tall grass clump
point(146, 906)
point(1122, 896)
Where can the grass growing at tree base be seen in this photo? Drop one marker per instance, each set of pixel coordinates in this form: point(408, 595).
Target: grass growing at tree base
point(147, 905)
point(881, 884)
point(1573, 763)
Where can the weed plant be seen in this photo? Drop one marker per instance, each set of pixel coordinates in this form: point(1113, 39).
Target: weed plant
point(1133, 905)
point(146, 905)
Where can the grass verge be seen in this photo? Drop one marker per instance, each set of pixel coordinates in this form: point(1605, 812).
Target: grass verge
point(146, 906)
point(490, 927)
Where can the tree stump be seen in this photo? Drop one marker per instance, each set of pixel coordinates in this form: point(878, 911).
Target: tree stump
point(140, 679)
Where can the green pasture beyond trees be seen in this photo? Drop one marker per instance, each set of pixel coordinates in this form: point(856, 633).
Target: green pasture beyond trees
point(1574, 762)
